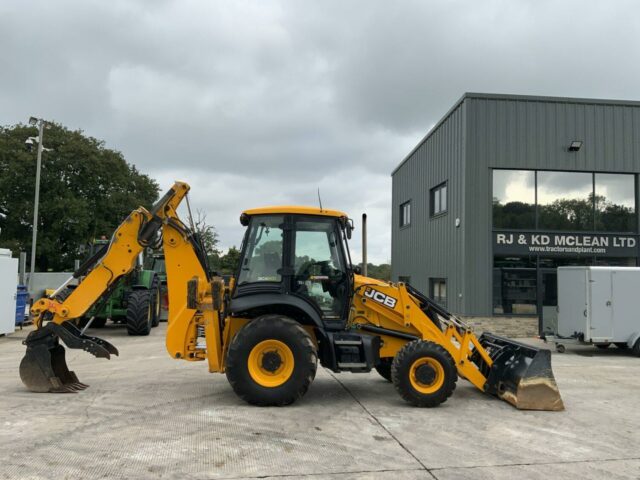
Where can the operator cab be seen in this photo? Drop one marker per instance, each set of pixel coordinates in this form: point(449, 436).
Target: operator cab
point(299, 254)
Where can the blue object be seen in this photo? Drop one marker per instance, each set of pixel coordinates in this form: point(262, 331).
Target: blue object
point(22, 296)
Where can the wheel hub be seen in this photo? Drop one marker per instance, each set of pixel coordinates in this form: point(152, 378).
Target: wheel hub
point(271, 361)
point(425, 374)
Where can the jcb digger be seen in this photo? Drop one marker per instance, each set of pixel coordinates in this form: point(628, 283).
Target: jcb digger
point(296, 300)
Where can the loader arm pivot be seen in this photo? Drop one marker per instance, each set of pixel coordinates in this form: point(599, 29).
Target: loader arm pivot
point(43, 369)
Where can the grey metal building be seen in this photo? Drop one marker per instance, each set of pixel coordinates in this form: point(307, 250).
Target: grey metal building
point(506, 188)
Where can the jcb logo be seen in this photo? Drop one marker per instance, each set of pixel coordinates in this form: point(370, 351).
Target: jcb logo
point(380, 297)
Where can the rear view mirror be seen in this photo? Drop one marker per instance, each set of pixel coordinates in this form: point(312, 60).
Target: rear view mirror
point(349, 228)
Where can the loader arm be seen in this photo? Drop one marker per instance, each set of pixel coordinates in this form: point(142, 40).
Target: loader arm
point(44, 368)
point(515, 372)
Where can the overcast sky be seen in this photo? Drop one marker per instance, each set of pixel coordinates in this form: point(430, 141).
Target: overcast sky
point(264, 102)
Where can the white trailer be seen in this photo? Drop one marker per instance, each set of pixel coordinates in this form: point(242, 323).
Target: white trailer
point(599, 306)
point(8, 290)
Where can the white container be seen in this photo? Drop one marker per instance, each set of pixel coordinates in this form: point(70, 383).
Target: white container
point(8, 290)
point(599, 305)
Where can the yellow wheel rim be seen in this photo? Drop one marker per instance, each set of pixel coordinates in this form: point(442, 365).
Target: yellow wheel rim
point(438, 379)
point(271, 363)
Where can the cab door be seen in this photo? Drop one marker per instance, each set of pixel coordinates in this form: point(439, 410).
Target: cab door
point(320, 273)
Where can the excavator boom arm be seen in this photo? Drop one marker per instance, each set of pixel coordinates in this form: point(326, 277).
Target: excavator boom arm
point(43, 369)
point(137, 231)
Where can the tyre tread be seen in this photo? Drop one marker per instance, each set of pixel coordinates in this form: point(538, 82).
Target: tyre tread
point(236, 353)
point(137, 310)
point(402, 362)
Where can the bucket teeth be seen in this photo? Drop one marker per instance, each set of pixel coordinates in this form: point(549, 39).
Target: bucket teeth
point(44, 368)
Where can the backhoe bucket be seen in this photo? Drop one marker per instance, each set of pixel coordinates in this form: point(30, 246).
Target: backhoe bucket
point(521, 374)
point(44, 369)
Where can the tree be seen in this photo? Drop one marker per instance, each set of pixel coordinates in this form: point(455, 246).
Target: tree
point(209, 237)
point(228, 263)
point(86, 190)
point(381, 272)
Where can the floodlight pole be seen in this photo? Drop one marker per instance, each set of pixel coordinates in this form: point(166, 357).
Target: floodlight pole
point(36, 202)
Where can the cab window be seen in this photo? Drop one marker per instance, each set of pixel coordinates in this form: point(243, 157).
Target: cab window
point(263, 258)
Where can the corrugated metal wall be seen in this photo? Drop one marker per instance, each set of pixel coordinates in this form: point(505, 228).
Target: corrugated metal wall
point(495, 131)
point(432, 247)
point(534, 133)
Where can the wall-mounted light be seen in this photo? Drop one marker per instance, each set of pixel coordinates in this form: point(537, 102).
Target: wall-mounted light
point(575, 145)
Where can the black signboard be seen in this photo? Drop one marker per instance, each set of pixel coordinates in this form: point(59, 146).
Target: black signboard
point(565, 244)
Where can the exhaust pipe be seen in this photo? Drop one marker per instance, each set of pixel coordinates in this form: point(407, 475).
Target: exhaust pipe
point(364, 244)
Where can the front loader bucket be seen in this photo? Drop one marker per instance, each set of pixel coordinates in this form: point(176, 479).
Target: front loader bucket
point(44, 369)
point(521, 374)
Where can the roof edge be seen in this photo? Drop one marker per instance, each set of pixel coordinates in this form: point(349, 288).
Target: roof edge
point(506, 96)
point(554, 99)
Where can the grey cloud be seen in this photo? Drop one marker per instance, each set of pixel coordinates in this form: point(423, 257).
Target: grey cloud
point(262, 102)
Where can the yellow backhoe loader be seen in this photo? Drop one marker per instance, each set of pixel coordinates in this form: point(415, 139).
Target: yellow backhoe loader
point(296, 299)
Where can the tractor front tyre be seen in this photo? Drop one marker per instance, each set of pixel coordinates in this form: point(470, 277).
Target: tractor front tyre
point(271, 361)
point(384, 368)
point(156, 303)
point(424, 373)
point(139, 313)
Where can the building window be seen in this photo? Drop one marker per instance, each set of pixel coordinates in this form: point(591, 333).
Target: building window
point(564, 201)
point(514, 199)
point(404, 278)
point(439, 199)
point(615, 202)
point(438, 290)
point(405, 214)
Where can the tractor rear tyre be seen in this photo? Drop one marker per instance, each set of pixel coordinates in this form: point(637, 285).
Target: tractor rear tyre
point(139, 313)
point(155, 302)
point(384, 368)
point(271, 361)
point(424, 373)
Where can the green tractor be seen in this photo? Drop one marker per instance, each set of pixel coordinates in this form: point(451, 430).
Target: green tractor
point(135, 299)
point(155, 263)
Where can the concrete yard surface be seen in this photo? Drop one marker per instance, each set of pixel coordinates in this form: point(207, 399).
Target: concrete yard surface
point(146, 415)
